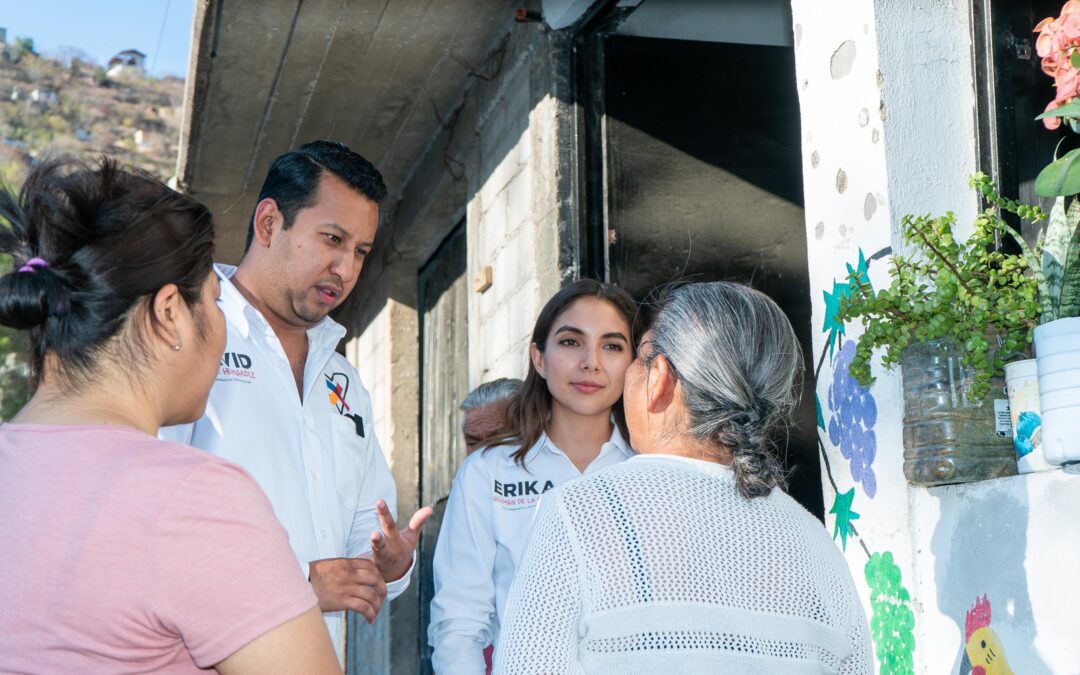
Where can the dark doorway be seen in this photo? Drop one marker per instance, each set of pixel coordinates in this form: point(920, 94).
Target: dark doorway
point(698, 174)
point(444, 382)
point(1011, 90)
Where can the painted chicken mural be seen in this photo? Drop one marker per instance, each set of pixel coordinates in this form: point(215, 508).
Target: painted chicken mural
point(983, 653)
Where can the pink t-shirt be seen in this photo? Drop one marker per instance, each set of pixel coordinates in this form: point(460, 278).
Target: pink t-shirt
point(121, 553)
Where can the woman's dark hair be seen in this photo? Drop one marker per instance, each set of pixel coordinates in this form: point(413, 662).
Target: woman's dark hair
point(529, 410)
point(739, 363)
point(293, 178)
point(88, 243)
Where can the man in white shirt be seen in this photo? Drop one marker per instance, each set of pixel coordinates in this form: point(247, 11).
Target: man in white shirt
point(286, 406)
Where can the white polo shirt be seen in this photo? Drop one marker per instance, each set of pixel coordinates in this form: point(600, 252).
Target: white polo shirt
point(318, 459)
point(484, 532)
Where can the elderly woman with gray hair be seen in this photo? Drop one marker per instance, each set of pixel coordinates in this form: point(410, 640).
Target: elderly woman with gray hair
point(685, 559)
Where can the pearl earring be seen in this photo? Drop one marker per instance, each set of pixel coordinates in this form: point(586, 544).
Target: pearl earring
point(176, 347)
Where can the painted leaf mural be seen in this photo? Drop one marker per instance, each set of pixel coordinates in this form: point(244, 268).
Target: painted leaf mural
point(892, 623)
point(851, 428)
point(833, 325)
point(857, 275)
point(844, 515)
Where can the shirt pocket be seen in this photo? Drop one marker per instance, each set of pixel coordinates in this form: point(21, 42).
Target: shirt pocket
point(350, 458)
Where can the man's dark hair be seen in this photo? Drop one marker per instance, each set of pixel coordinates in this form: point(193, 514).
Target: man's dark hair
point(294, 177)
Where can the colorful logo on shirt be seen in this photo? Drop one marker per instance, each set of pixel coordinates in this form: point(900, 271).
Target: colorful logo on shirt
point(338, 384)
point(236, 366)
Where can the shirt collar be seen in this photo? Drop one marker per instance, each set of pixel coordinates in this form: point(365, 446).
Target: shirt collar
point(240, 313)
point(618, 443)
point(614, 444)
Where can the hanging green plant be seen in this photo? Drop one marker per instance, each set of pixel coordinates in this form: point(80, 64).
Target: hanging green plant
point(984, 299)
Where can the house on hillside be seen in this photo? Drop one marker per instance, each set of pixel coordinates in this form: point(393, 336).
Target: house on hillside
point(127, 62)
point(43, 97)
point(774, 142)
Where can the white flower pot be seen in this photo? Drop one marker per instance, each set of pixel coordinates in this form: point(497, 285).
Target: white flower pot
point(1022, 382)
point(1057, 351)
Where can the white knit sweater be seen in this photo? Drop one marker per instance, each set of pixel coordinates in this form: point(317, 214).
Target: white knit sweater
point(659, 565)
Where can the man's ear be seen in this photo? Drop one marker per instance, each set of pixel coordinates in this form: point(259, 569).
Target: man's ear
point(661, 385)
point(167, 307)
point(268, 219)
point(537, 357)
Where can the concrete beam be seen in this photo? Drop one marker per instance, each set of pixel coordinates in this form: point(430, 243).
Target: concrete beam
point(268, 76)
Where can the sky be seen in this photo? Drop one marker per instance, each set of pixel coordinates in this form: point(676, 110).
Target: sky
point(101, 28)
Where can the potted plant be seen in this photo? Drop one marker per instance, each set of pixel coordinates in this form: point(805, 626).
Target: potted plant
point(951, 316)
point(1054, 264)
point(974, 303)
point(1057, 338)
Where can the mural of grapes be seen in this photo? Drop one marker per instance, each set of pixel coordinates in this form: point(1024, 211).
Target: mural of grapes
point(850, 428)
point(892, 623)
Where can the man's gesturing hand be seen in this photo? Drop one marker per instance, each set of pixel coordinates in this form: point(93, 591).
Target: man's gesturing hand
point(348, 583)
point(392, 548)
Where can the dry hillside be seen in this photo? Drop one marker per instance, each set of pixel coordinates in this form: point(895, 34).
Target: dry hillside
point(48, 108)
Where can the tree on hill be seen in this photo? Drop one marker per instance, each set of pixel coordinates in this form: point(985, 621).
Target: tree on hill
point(24, 46)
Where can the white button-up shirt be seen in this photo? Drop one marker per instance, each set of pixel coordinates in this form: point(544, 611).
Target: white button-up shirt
point(483, 537)
point(317, 459)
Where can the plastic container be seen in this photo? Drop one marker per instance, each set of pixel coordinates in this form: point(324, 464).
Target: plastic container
point(1057, 351)
point(1022, 381)
point(947, 437)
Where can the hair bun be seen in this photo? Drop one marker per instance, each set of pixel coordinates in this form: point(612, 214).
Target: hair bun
point(27, 298)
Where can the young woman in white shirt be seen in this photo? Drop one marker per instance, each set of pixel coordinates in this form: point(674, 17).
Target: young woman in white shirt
point(686, 558)
point(566, 421)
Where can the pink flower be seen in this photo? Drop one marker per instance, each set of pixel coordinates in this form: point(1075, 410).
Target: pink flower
point(1044, 43)
point(1058, 41)
point(1066, 81)
point(1068, 31)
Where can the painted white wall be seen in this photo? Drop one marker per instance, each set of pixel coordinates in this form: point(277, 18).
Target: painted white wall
point(1015, 541)
point(928, 107)
point(847, 210)
point(888, 118)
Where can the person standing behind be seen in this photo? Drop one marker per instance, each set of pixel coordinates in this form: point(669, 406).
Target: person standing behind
point(286, 406)
point(119, 552)
point(687, 558)
point(483, 415)
point(565, 421)
point(484, 410)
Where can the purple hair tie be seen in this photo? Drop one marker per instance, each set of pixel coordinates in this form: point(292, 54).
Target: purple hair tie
point(33, 264)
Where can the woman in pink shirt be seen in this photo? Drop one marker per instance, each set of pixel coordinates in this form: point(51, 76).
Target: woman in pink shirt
point(121, 553)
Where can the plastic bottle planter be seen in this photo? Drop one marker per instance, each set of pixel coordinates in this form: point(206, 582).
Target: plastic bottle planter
point(948, 438)
point(1022, 381)
point(1057, 350)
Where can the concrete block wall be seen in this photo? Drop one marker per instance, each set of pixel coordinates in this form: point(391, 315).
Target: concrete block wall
point(510, 222)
